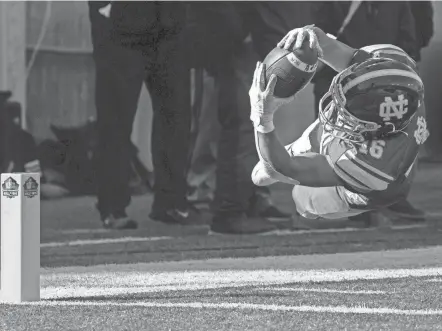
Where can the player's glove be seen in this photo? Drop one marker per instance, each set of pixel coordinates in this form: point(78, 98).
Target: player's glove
point(263, 103)
point(295, 38)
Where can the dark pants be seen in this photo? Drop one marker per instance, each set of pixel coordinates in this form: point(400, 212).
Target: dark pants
point(120, 73)
point(236, 147)
point(320, 87)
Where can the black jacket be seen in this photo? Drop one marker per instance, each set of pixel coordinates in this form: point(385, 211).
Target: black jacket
point(375, 22)
point(137, 24)
point(383, 22)
point(269, 21)
point(423, 16)
point(213, 32)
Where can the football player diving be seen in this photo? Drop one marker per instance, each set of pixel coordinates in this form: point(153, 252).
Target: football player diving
point(360, 154)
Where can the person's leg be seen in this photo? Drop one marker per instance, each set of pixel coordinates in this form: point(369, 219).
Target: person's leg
point(236, 154)
point(236, 149)
point(201, 177)
point(403, 209)
point(262, 205)
point(169, 85)
point(320, 87)
point(119, 75)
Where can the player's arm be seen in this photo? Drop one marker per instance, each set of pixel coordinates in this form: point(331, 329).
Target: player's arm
point(309, 169)
point(336, 54)
point(264, 174)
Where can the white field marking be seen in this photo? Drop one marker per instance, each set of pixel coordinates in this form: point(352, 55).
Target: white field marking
point(83, 231)
point(389, 259)
point(246, 306)
point(102, 241)
point(434, 280)
point(109, 241)
point(84, 292)
point(318, 290)
point(434, 215)
point(348, 229)
point(61, 286)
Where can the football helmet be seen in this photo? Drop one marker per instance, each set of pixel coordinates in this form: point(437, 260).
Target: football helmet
point(371, 100)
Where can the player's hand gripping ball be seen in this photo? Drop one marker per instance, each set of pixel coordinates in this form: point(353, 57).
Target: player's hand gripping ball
point(293, 61)
point(263, 101)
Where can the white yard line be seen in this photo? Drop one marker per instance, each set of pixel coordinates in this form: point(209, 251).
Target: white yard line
point(434, 280)
point(83, 231)
point(405, 259)
point(248, 306)
point(124, 289)
point(104, 241)
point(111, 284)
point(110, 241)
point(434, 215)
point(112, 281)
point(342, 230)
point(318, 290)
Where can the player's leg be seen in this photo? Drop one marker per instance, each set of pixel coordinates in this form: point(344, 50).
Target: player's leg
point(119, 75)
point(322, 202)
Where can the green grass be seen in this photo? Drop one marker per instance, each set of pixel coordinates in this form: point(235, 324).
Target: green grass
point(407, 293)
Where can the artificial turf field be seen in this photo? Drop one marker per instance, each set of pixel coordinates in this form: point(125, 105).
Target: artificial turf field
point(181, 278)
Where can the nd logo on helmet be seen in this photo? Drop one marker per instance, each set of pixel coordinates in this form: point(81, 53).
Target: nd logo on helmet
point(390, 108)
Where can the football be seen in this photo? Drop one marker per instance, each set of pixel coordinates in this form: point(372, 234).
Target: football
point(294, 69)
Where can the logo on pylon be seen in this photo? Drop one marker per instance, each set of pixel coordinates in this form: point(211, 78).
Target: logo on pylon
point(30, 188)
point(10, 188)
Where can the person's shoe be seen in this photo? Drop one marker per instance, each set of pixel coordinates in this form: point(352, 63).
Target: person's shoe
point(119, 221)
point(272, 212)
point(301, 223)
point(185, 216)
point(200, 195)
point(240, 224)
point(430, 158)
point(261, 205)
point(404, 209)
point(372, 219)
point(364, 218)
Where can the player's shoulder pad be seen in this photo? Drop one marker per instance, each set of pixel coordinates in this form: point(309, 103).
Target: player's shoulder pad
point(361, 172)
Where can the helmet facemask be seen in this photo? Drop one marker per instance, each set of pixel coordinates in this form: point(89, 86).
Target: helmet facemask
point(337, 120)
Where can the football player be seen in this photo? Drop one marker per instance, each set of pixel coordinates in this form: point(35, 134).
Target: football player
point(360, 155)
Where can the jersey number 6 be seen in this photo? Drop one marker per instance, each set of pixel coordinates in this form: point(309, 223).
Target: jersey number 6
point(375, 148)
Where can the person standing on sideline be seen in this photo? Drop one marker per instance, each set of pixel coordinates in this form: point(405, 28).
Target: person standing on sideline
point(225, 55)
point(135, 43)
point(423, 16)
